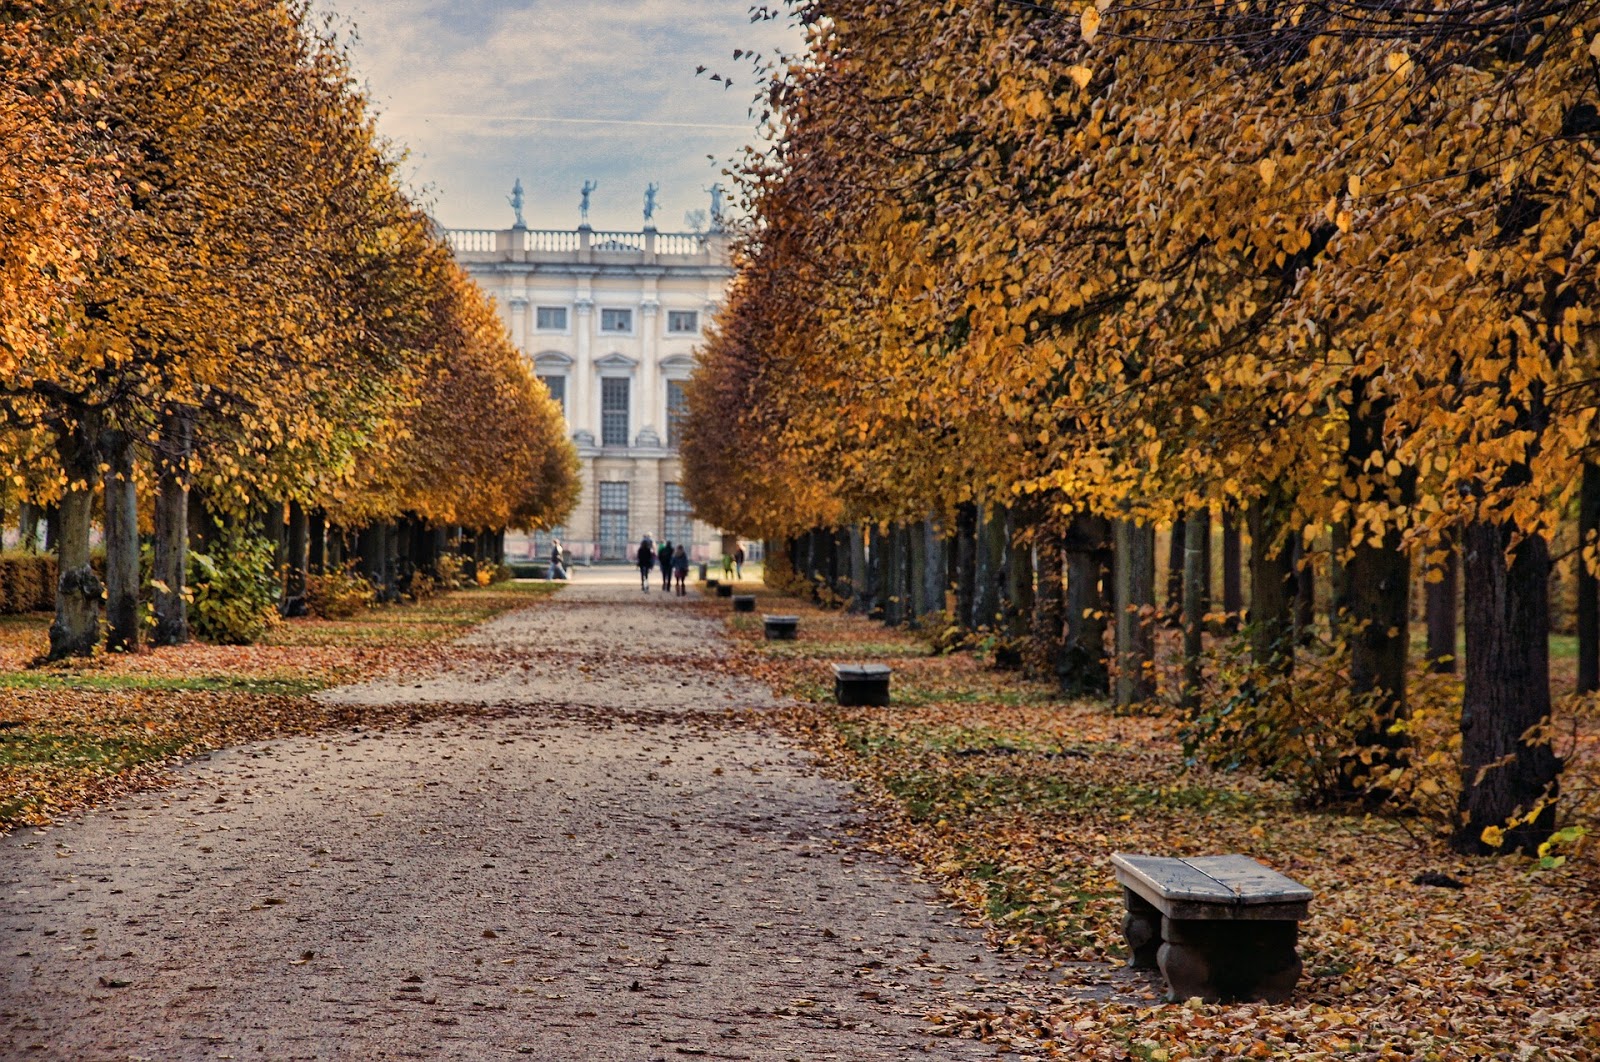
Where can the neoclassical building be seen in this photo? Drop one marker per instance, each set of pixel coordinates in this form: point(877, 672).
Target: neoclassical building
point(610, 322)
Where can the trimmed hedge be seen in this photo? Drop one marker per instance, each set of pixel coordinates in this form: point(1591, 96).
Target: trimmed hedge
point(27, 582)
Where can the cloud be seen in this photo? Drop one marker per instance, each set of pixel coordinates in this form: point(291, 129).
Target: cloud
point(486, 91)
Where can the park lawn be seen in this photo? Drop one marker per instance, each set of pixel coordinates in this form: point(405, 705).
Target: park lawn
point(77, 732)
point(1014, 801)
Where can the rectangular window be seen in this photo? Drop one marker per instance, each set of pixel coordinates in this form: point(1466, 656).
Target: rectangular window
point(614, 537)
point(678, 522)
point(614, 411)
point(557, 386)
point(677, 409)
point(550, 318)
point(682, 322)
point(616, 321)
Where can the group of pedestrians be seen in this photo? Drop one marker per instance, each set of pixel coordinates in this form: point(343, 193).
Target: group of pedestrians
point(672, 560)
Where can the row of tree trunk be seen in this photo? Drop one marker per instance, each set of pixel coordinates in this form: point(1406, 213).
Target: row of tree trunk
point(1070, 584)
point(96, 458)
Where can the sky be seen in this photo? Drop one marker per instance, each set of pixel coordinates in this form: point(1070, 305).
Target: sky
point(558, 92)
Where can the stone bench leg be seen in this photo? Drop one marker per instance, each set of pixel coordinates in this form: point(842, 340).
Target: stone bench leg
point(1230, 960)
point(1141, 928)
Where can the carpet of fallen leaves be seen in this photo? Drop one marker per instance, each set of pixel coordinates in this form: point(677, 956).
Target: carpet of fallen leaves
point(1016, 801)
point(77, 732)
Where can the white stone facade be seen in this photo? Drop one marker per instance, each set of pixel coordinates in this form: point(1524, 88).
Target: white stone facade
point(610, 321)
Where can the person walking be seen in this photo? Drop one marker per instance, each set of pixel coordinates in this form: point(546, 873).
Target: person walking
point(647, 562)
point(680, 568)
point(665, 557)
point(738, 561)
point(557, 570)
point(727, 565)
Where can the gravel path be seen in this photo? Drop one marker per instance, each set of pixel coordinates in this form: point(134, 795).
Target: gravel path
point(591, 870)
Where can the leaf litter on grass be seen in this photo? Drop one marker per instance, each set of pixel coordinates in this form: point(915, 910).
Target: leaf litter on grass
point(1014, 800)
point(75, 732)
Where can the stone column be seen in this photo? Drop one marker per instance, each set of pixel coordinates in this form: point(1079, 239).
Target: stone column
point(518, 310)
point(583, 411)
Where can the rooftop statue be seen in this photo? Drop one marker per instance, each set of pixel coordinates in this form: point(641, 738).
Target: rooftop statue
point(516, 203)
point(583, 206)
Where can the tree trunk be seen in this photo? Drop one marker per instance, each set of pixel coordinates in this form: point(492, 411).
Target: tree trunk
point(28, 527)
point(936, 565)
point(170, 553)
point(1588, 584)
point(317, 542)
point(985, 596)
point(122, 543)
point(966, 562)
point(298, 559)
point(76, 630)
point(1135, 578)
point(1049, 604)
point(1081, 668)
point(1019, 580)
point(876, 551)
point(860, 583)
point(1196, 545)
point(1232, 570)
point(1305, 593)
point(1176, 561)
point(1379, 587)
point(1507, 693)
point(1441, 613)
point(893, 606)
point(1272, 586)
point(917, 568)
point(52, 528)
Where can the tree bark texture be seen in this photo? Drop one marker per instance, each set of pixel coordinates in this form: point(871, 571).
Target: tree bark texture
point(1176, 560)
point(1195, 570)
point(935, 566)
point(1082, 667)
point(1272, 589)
point(170, 551)
point(1232, 570)
point(1049, 622)
point(1379, 586)
point(966, 561)
point(299, 557)
point(1506, 771)
point(122, 543)
point(1588, 584)
point(317, 542)
point(860, 585)
point(1135, 578)
point(28, 527)
point(76, 630)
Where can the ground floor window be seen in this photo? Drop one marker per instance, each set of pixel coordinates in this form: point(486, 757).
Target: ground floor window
point(677, 523)
point(614, 521)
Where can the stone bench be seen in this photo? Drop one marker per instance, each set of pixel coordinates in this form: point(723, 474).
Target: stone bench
point(857, 685)
point(744, 602)
point(724, 589)
point(1218, 927)
point(780, 628)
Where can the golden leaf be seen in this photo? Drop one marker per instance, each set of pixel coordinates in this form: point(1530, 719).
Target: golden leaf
point(1269, 169)
point(1090, 24)
point(1080, 75)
